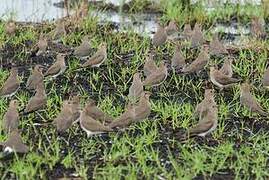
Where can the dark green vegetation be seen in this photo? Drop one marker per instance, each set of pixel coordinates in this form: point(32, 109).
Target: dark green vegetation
point(239, 148)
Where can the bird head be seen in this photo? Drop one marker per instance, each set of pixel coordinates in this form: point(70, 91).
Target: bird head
point(245, 86)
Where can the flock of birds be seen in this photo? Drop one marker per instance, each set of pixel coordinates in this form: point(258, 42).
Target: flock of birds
point(92, 119)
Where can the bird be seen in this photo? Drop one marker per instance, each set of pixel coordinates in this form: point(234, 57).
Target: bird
point(11, 117)
point(158, 77)
point(216, 47)
point(11, 85)
point(227, 67)
point(178, 60)
point(149, 65)
point(265, 80)
point(143, 108)
point(35, 78)
point(136, 89)
point(199, 63)
point(96, 113)
point(57, 68)
point(221, 80)
point(83, 50)
point(10, 27)
point(249, 101)
point(98, 58)
point(75, 103)
point(38, 101)
point(207, 124)
point(171, 28)
point(125, 119)
point(159, 37)
point(91, 126)
point(256, 28)
point(64, 120)
point(205, 104)
point(59, 31)
point(42, 45)
point(197, 38)
point(14, 143)
point(187, 31)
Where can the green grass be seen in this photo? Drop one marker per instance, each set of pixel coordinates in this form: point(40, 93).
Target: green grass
point(150, 149)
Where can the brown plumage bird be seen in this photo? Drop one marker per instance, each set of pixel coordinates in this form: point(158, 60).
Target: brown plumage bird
point(64, 120)
point(98, 58)
point(11, 85)
point(197, 38)
point(83, 50)
point(59, 31)
point(178, 60)
point(207, 124)
point(205, 104)
point(198, 64)
point(149, 65)
point(42, 45)
point(143, 108)
point(136, 89)
point(186, 34)
point(265, 79)
point(75, 103)
point(10, 28)
point(93, 111)
point(14, 143)
point(221, 80)
point(35, 78)
point(57, 68)
point(216, 47)
point(91, 126)
point(11, 117)
point(257, 29)
point(226, 68)
point(38, 101)
point(249, 101)
point(158, 77)
point(171, 28)
point(159, 37)
point(125, 119)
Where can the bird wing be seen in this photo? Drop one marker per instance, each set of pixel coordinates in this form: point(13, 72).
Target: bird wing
point(124, 120)
point(10, 86)
point(224, 79)
point(35, 103)
point(94, 126)
point(154, 79)
point(150, 67)
point(53, 69)
point(95, 59)
point(201, 127)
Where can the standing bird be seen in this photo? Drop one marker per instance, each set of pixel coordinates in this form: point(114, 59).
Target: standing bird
point(248, 100)
point(143, 109)
point(38, 101)
point(221, 80)
point(186, 34)
point(197, 38)
point(158, 77)
point(205, 104)
point(207, 124)
point(171, 28)
point(98, 58)
point(75, 103)
point(93, 111)
point(199, 63)
point(216, 47)
point(83, 50)
point(136, 89)
point(14, 143)
point(42, 45)
point(91, 126)
point(265, 79)
point(149, 65)
point(159, 37)
point(257, 29)
point(11, 117)
point(35, 78)
point(57, 68)
point(10, 28)
point(226, 68)
point(178, 60)
point(11, 85)
point(64, 120)
point(59, 31)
